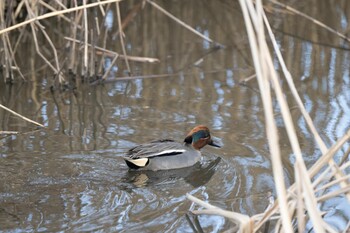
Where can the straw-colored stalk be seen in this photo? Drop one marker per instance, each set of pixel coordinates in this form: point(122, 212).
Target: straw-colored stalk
point(183, 24)
point(300, 202)
point(79, 22)
point(19, 115)
point(121, 34)
point(113, 54)
point(86, 35)
point(7, 60)
point(55, 13)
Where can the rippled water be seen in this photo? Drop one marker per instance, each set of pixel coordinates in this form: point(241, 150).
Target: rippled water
point(71, 177)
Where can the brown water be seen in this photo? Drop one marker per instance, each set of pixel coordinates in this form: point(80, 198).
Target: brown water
point(71, 177)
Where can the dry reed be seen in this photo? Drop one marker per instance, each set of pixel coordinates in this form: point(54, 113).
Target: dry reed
point(19, 115)
point(38, 11)
point(82, 26)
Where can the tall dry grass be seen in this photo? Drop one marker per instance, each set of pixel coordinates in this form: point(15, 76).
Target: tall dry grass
point(299, 204)
point(85, 35)
point(86, 57)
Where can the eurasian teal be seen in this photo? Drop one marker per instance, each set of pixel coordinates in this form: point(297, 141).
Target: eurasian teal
point(168, 154)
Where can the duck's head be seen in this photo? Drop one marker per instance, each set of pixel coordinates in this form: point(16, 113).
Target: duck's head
point(199, 137)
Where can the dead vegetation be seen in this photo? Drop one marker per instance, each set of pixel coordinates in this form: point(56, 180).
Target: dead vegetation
point(301, 203)
point(86, 38)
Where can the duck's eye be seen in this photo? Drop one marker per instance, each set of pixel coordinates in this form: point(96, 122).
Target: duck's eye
point(200, 134)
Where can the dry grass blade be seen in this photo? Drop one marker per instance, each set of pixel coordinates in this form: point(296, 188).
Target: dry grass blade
point(307, 189)
point(295, 11)
point(56, 13)
point(300, 203)
point(110, 67)
point(86, 35)
point(6, 47)
point(122, 39)
point(179, 21)
point(113, 54)
point(321, 162)
point(15, 67)
point(262, 70)
point(8, 132)
point(53, 9)
point(19, 115)
point(292, 87)
point(37, 47)
point(347, 228)
point(334, 182)
point(333, 194)
point(244, 221)
point(247, 79)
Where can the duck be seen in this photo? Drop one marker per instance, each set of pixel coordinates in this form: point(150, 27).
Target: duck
point(166, 154)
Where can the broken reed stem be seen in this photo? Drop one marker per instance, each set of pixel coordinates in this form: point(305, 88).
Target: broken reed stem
point(334, 182)
point(7, 59)
point(179, 21)
point(86, 34)
point(37, 48)
point(296, 96)
point(72, 62)
point(32, 14)
point(335, 193)
point(262, 71)
point(104, 41)
point(92, 54)
point(110, 67)
point(56, 13)
point(8, 70)
point(121, 34)
point(19, 115)
point(245, 222)
point(320, 163)
point(315, 21)
point(113, 54)
point(13, 56)
point(305, 184)
point(60, 77)
point(8, 132)
point(306, 187)
point(65, 18)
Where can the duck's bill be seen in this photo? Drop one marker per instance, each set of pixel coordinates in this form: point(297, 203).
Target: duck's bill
point(214, 143)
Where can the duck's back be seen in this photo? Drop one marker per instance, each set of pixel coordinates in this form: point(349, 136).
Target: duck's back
point(161, 155)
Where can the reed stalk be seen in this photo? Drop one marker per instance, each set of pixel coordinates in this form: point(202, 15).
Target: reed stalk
point(301, 201)
point(121, 35)
point(19, 115)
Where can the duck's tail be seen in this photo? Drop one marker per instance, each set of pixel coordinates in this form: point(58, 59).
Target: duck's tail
point(136, 163)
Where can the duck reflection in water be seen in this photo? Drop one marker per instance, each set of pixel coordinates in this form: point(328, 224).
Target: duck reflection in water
point(196, 176)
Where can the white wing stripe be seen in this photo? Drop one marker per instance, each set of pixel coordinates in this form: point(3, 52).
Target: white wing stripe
point(168, 152)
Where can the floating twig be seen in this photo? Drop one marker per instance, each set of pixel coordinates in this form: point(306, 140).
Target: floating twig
point(19, 115)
